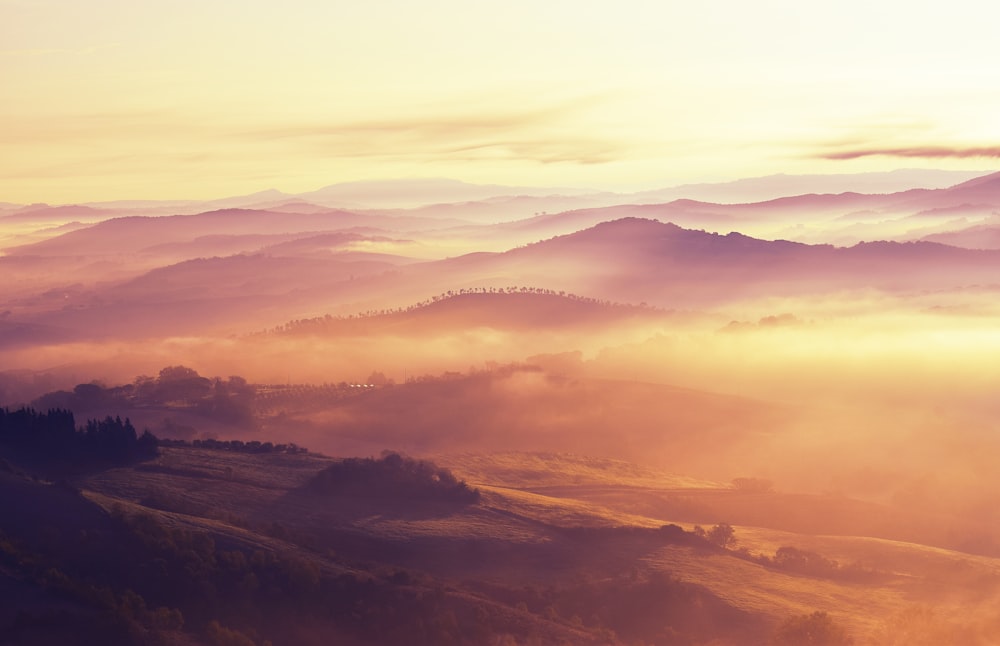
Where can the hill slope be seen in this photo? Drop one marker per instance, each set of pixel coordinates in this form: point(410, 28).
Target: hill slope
point(512, 309)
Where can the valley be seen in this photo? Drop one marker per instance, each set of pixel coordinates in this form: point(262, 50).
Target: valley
point(302, 419)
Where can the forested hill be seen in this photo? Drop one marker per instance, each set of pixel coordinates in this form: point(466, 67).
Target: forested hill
point(510, 308)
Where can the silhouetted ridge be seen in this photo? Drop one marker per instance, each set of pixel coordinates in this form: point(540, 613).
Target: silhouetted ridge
point(638, 234)
point(624, 229)
point(983, 191)
point(974, 237)
point(989, 182)
point(129, 234)
point(921, 251)
point(652, 236)
point(506, 307)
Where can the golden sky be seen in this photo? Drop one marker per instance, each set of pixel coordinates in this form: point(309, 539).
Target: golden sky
point(109, 99)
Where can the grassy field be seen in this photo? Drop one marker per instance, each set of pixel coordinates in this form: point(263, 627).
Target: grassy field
point(548, 552)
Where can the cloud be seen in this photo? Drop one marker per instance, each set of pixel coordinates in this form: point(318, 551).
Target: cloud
point(424, 125)
point(898, 136)
point(929, 152)
point(543, 135)
point(577, 151)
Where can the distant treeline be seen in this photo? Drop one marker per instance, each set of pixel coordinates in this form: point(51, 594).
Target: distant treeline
point(238, 446)
point(229, 401)
point(393, 476)
point(799, 561)
point(54, 436)
point(319, 323)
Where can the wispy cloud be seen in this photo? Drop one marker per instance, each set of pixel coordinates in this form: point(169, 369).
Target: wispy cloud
point(577, 151)
point(434, 126)
point(928, 152)
point(897, 136)
point(543, 135)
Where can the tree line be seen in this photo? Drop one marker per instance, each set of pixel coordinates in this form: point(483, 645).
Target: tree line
point(54, 436)
point(237, 446)
point(310, 324)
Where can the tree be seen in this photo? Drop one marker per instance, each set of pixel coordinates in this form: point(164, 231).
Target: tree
point(804, 562)
point(177, 373)
point(722, 535)
point(89, 395)
point(377, 378)
point(179, 383)
point(816, 629)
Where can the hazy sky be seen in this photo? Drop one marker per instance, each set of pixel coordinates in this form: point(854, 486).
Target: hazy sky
point(109, 99)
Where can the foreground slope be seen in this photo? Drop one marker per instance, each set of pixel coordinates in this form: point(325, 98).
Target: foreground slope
point(522, 556)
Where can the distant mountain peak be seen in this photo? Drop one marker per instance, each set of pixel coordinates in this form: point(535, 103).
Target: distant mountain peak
point(992, 180)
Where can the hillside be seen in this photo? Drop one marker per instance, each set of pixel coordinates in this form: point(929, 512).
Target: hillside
point(630, 260)
point(538, 406)
point(503, 309)
point(133, 234)
point(985, 236)
point(233, 517)
point(642, 578)
point(638, 260)
point(766, 435)
point(528, 409)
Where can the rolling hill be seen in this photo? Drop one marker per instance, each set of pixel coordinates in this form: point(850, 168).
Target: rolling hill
point(509, 309)
point(569, 563)
point(630, 260)
point(132, 235)
point(728, 436)
point(638, 260)
point(985, 236)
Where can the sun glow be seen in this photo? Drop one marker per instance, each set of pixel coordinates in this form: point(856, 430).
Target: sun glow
point(149, 101)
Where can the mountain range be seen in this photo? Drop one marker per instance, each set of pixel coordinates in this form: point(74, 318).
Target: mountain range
point(739, 414)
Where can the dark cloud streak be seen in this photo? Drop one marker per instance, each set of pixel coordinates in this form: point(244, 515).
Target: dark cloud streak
point(930, 152)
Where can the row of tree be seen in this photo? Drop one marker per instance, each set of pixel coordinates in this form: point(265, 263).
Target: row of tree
point(311, 324)
point(54, 436)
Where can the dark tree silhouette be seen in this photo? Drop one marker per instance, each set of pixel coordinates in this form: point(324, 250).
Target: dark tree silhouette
point(53, 436)
point(393, 476)
point(722, 535)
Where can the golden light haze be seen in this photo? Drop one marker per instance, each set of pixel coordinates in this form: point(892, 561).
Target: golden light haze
point(116, 100)
point(805, 360)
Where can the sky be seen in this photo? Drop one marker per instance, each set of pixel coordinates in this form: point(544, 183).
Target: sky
point(176, 99)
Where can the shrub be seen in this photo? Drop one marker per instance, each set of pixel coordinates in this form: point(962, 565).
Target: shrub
point(393, 476)
point(722, 535)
